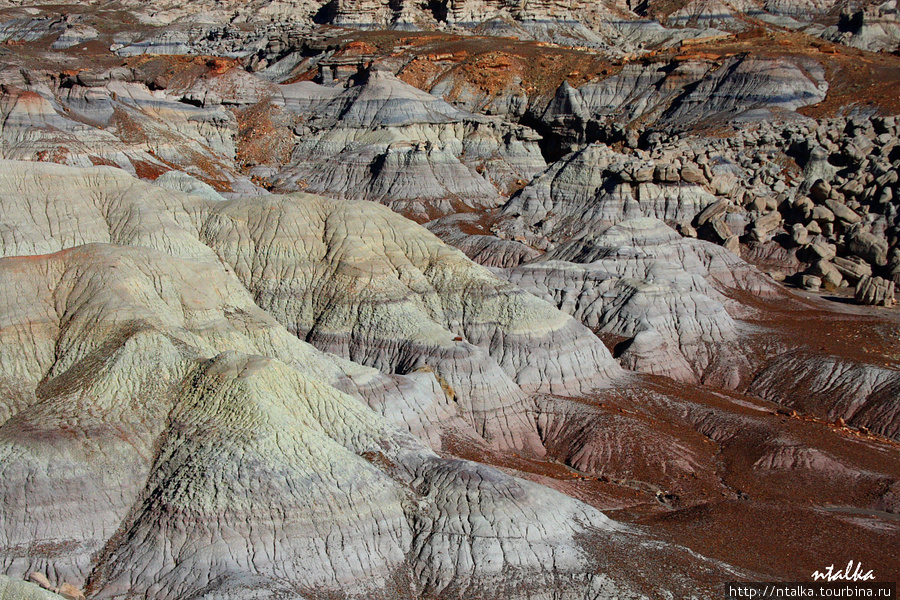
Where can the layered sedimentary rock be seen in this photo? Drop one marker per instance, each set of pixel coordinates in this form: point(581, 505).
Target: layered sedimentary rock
point(384, 140)
point(118, 123)
point(397, 297)
point(208, 443)
point(858, 393)
point(214, 391)
point(378, 140)
point(469, 233)
point(587, 191)
point(692, 90)
point(876, 28)
point(235, 430)
point(240, 28)
point(642, 281)
point(707, 14)
point(777, 85)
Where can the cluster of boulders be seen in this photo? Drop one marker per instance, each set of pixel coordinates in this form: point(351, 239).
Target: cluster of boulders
point(847, 223)
point(827, 192)
point(818, 198)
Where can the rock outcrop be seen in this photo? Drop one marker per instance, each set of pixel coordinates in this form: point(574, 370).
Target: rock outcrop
point(151, 131)
point(384, 140)
point(875, 290)
point(875, 28)
point(241, 28)
point(390, 300)
point(380, 139)
point(236, 430)
point(641, 281)
point(594, 188)
point(856, 393)
point(689, 91)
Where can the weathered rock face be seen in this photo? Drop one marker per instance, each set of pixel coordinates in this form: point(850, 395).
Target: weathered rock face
point(152, 131)
point(386, 141)
point(595, 188)
point(214, 391)
point(242, 28)
point(140, 294)
point(468, 233)
point(641, 281)
point(708, 14)
point(817, 196)
point(475, 11)
point(876, 28)
point(389, 302)
point(861, 394)
point(777, 85)
point(379, 140)
point(681, 93)
point(404, 311)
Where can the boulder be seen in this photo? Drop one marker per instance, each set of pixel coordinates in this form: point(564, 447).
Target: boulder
point(693, 174)
point(686, 229)
point(40, 579)
point(828, 273)
point(853, 188)
point(823, 250)
point(639, 172)
point(666, 174)
point(870, 247)
point(811, 283)
point(758, 204)
point(799, 234)
point(820, 191)
point(720, 230)
point(711, 212)
point(842, 212)
point(70, 592)
point(724, 183)
point(875, 291)
point(804, 206)
point(733, 245)
point(814, 228)
point(822, 214)
point(889, 178)
point(644, 174)
point(767, 222)
point(853, 269)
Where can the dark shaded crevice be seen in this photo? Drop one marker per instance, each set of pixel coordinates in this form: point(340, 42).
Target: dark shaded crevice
point(326, 14)
point(439, 10)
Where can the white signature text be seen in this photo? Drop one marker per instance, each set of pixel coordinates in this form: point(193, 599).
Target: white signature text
point(848, 574)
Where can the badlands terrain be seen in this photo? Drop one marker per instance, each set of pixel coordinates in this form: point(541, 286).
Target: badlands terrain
point(521, 299)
